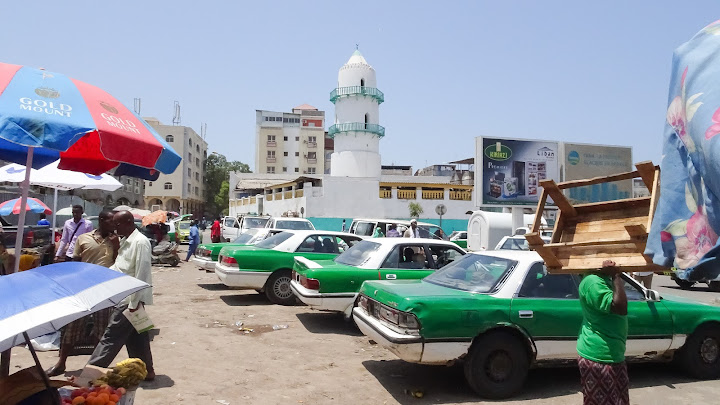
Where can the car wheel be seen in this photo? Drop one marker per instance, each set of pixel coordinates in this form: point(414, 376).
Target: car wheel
point(684, 284)
point(714, 286)
point(278, 288)
point(700, 356)
point(174, 261)
point(497, 365)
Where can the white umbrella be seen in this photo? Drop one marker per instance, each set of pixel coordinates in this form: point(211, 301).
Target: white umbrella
point(58, 179)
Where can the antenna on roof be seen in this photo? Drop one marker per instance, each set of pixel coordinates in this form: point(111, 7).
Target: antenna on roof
point(357, 47)
point(203, 130)
point(136, 105)
point(176, 116)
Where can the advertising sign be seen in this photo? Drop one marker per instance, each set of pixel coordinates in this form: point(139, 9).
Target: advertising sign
point(511, 170)
point(585, 161)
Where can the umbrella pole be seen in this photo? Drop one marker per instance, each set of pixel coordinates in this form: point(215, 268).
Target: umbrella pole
point(24, 190)
point(43, 374)
point(54, 225)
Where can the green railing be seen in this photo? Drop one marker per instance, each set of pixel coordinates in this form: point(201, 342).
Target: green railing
point(376, 129)
point(357, 91)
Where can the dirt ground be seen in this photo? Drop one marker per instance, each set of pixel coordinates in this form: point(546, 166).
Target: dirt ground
point(201, 357)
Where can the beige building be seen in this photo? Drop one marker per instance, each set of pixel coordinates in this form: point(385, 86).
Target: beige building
point(182, 190)
point(290, 143)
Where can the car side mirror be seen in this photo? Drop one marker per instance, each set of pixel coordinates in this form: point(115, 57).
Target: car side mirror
point(652, 296)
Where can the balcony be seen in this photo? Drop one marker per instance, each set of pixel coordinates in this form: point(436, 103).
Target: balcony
point(312, 145)
point(406, 194)
point(270, 160)
point(271, 144)
point(461, 195)
point(357, 91)
point(312, 161)
point(385, 193)
point(433, 194)
point(376, 129)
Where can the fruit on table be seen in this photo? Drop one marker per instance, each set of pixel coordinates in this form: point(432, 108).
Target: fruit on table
point(100, 395)
point(127, 373)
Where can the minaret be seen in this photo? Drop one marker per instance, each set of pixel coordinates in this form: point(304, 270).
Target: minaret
point(356, 131)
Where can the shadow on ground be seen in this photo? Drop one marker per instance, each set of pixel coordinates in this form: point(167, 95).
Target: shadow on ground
point(241, 300)
point(160, 381)
point(214, 287)
point(441, 384)
point(328, 323)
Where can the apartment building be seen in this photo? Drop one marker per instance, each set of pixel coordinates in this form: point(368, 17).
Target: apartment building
point(182, 190)
point(290, 143)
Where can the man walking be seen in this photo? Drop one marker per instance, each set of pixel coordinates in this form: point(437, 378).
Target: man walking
point(101, 248)
point(194, 239)
point(72, 229)
point(133, 259)
point(601, 344)
point(215, 231)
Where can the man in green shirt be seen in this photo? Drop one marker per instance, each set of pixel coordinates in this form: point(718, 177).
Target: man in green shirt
point(601, 344)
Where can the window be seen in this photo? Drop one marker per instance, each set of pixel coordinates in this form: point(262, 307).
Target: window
point(169, 139)
point(271, 169)
point(284, 138)
point(197, 176)
point(285, 153)
point(189, 188)
point(271, 154)
point(271, 138)
point(358, 255)
point(539, 284)
point(297, 153)
point(197, 190)
point(150, 184)
point(410, 256)
point(312, 139)
point(311, 170)
point(197, 162)
point(297, 170)
point(167, 186)
point(189, 173)
point(312, 155)
point(190, 140)
point(444, 255)
point(284, 169)
point(197, 148)
point(318, 244)
point(297, 138)
point(362, 82)
point(190, 157)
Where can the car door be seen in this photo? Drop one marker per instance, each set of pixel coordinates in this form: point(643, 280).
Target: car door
point(318, 247)
point(547, 307)
point(649, 323)
point(442, 255)
point(406, 261)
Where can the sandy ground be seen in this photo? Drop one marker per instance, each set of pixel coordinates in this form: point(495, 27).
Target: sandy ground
point(202, 358)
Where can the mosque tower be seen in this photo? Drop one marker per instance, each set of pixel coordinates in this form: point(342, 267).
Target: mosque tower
point(357, 131)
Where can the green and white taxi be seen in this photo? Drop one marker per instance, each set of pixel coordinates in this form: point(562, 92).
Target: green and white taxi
point(502, 313)
point(333, 285)
point(267, 265)
point(206, 254)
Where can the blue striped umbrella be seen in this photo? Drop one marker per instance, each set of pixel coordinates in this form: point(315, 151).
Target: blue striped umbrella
point(42, 300)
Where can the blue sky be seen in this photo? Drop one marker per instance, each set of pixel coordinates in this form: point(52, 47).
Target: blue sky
point(594, 72)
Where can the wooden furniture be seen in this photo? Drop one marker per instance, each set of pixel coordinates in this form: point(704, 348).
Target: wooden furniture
point(587, 234)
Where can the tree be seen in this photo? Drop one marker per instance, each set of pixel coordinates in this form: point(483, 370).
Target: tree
point(217, 172)
point(415, 209)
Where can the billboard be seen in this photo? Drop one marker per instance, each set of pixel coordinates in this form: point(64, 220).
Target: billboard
point(584, 161)
point(511, 170)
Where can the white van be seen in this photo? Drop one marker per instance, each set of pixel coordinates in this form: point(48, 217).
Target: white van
point(486, 229)
point(366, 227)
point(297, 224)
point(232, 227)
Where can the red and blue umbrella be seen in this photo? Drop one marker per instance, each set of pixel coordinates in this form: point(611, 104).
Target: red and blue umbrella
point(33, 204)
point(84, 127)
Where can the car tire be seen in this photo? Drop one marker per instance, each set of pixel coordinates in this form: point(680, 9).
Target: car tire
point(278, 290)
point(174, 261)
point(497, 365)
point(700, 355)
point(714, 286)
point(684, 284)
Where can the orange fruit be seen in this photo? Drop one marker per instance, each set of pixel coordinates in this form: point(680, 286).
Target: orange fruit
point(110, 403)
point(78, 400)
point(114, 397)
point(104, 397)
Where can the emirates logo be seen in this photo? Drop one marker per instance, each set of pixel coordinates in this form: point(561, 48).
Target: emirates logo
point(47, 92)
point(108, 107)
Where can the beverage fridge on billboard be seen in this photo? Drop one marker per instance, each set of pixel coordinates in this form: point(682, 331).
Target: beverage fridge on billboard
point(512, 170)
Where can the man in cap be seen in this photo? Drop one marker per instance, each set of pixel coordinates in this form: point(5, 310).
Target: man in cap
point(413, 231)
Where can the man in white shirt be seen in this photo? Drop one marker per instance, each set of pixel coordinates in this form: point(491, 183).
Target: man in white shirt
point(133, 259)
point(413, 231)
